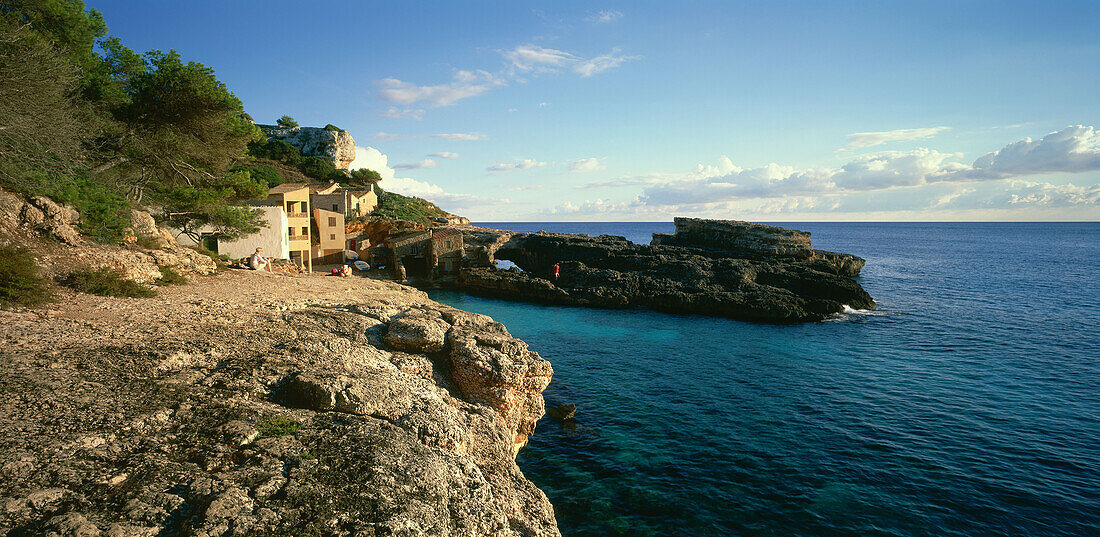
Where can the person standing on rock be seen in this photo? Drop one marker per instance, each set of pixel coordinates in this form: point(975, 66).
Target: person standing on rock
point(557, 269)
point(257, 261)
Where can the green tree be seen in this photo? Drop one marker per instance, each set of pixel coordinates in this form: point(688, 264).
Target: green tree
point(363, 177)
point(333, 128)
point(42, 123)
point(286, 121)
point(215, 205)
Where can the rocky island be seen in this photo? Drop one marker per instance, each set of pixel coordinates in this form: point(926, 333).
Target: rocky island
point(741, 270)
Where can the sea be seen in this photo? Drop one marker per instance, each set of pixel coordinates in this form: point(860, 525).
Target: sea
point(967, 403)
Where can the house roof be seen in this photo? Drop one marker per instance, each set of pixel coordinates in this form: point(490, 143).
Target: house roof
point(323, 188)
point(446, 232)
point(414, 236)
point(286, 187)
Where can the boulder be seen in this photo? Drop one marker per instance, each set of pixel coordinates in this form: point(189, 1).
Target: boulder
point(417, 331)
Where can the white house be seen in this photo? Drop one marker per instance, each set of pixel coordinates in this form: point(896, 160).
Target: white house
point(273, 238)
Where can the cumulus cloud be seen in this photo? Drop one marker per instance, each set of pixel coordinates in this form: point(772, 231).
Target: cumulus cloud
point(426, 163)
point(1073, 149)
point(461, 137)
point(587, 165)
point(632, 180)
point(537, 60)
point(407, 113)
point(605, 16)
point(870, 139)
point(519, 165)
point(464, 84)
point(445, 154)
point(371, 158)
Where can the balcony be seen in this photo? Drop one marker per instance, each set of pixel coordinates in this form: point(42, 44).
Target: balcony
point(297, 215)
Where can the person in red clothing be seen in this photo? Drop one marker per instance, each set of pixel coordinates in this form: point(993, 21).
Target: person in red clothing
point(557, 269)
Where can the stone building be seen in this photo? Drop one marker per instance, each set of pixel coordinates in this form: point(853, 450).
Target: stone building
point(426, 254)
point(446, 251)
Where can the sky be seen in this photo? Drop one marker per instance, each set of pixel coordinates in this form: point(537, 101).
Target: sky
point(641, 111)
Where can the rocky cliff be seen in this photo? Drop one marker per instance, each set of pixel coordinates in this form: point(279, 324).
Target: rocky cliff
point(252, 404)
point(733, 269)
point(317, 142)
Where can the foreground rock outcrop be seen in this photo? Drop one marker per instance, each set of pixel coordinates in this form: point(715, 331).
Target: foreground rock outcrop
point(742, 270)
point(253, 404)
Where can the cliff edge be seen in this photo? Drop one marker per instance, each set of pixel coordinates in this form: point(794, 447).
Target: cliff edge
point(248, 403)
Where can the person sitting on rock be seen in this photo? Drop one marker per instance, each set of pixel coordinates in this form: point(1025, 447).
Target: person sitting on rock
point(258, 262)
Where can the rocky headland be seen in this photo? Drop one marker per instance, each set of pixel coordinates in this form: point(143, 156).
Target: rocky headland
point(741, 270)
point(248, 403)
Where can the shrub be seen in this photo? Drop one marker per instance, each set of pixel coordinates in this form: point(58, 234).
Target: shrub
point(278, 425)
point(266, 174)
point(331, 127)
point(104, 209)
point(286, 121)
point(320, 168)
point(105, 282)
point(169, 277)
point(208, 253)
point(20, 283)
point(278, 150)
point(400, 207)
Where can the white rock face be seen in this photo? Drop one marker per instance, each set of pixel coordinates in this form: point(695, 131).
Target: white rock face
point(317, 142)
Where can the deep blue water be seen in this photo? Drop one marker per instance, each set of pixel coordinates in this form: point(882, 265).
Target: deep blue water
point(968, 403)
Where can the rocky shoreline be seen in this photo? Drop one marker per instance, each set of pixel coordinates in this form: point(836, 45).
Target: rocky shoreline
point(742, 270)
point(253, 404)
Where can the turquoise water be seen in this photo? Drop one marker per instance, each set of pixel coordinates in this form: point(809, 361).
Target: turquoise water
point(968, 403)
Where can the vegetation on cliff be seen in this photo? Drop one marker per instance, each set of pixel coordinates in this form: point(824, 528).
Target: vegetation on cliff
point(398, 207)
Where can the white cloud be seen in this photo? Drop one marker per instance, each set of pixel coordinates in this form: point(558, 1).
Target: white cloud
point(871, 139)
point(601, 63)
point(587, 165)
point(461, 137)
point(519, 165)
point(1073, 149)
point(407, 113)
point(633, 180)
point(536, 59)
point(465, 84)
point(445, 154)
point(605, 16)
point(426, 163)
point(387, 136)
point(522, 188)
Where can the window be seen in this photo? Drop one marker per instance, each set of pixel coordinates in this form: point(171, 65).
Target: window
point(332, 220)
point(446, 245)
point(305, 231)
point(332, 237)
point(290, 231)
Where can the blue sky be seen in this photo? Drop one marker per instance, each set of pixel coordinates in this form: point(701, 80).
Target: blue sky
point(776, 111)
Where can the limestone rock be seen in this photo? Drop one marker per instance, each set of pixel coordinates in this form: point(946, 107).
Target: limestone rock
point(211, 411)
point(742, 270)
point(417, 331)
point(317, 142)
